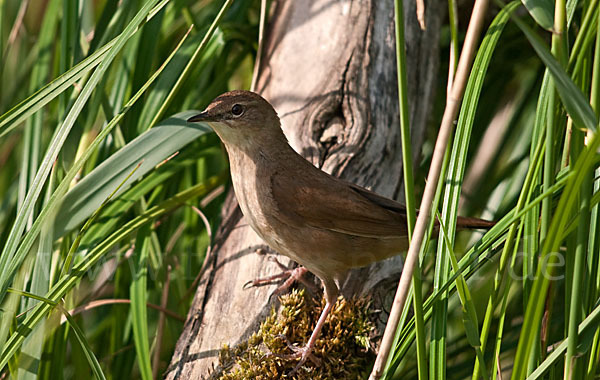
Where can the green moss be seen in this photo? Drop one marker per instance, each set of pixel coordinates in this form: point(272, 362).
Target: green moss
point(343, 347)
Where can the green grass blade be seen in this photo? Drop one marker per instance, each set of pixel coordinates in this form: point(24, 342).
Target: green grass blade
point(66, 266)
point(556, 234)
point(511, 244)
point(454, 179)
point(150, 148)
point(93, 361)
point(55, 145)
point(110, 216)
point(12, 118)
point(409, 192)
point(40, 283)
point(65, 284)
point(195, 57)
point(164, 86)
point(470, 322)
point(585, 36)
point(50, 208)
point(588, 326)
point(40, 277)
point(23, 110)
point(576, 104)
point(477, 255)
point(85, 346)
point(593, 265)
point(101, 29)
point(138, 295)
point(69, 46)
point(542, 12)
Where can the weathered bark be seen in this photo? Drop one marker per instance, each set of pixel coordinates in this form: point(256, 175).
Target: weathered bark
point(330, 72)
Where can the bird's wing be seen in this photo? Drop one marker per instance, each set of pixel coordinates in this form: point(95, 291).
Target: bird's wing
point(329, 203)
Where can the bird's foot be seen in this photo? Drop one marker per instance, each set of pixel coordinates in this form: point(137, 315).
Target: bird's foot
point(302, 353)
point(290, 276)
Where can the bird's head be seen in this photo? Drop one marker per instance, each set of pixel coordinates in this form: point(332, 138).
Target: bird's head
point(241, 118)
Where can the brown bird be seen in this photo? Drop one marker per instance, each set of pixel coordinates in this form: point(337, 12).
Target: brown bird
point(321, 222)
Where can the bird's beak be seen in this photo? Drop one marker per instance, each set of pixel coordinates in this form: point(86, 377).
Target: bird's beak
point(204, 116)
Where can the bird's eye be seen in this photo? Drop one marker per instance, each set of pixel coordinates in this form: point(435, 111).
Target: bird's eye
point(237, 110)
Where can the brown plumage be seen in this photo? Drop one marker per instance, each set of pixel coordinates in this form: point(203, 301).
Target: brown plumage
point(324, 223)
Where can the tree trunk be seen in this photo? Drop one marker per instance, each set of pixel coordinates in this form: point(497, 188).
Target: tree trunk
point(329, 69)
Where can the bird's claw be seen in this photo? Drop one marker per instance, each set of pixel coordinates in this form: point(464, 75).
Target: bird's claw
point(290, 276)
point(267, 280)
point(303, 353)
point(247, 285)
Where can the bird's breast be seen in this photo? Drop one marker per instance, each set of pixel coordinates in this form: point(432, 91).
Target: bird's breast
point(251, 183)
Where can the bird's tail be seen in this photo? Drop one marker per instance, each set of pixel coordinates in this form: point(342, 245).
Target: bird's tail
point(473, 224)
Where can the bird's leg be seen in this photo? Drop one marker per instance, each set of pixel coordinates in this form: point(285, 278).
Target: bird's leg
point(305, 353)
point(290, 276)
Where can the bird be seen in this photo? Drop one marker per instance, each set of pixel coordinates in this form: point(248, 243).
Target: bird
point(325, 224)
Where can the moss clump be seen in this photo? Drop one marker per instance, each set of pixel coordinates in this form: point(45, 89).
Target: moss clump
point(343, 348)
